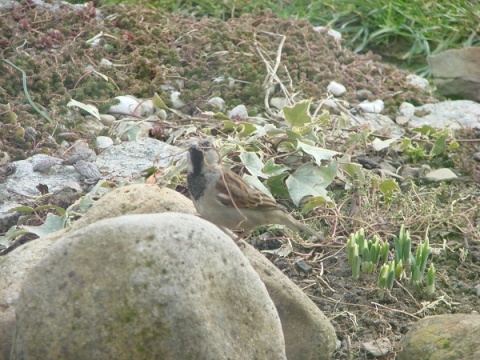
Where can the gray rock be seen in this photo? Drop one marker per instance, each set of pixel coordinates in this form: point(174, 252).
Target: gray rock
point(129, 159)
point(456, 115)
point(378, 347)
point(177, 103)
point(134, 199)
point(238, 112)
point(457, 72)
point(217, 102)
point(127, 105)
point(442, 337)
point(443, 174)
point(308, 332)
point(103, 142)
point(378, 122)
point(14, 267)
point(374, 107)
point(477, 290)
point(164, 286)
point(278, 102)
point(336, 88)
point(23, 182)
point(107, 120)
point(417, 81)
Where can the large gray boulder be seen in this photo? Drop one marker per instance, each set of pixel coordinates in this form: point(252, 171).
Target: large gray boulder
point(457, 72)
point(309, 335)
point(442, 337)
point(14, 267)
point(162, 286)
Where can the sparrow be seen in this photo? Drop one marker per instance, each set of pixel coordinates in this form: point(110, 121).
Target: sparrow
point(226, 200)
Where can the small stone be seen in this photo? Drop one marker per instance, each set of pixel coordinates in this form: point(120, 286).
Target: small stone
point(302, 266)
point(106, 63)
point(4, 158)
point(406, 109)
point(333, 33)
point(402, 120)
point(476, 156)
point(45, 164)
point(180, 83)
point(278, 102)
point(147, 107)
point(441, 175)
point(378, 347)
point(363, 94)
point(103, 142)
point(375, 107)
point(162, 114)
point(477, 290)
point(217, 102)
point(238, 112)
point(177, 103)
point(417, 81)
point(336, 88)
point(128, 105)
point(107, 120)
point(330, 103)
point(87, 170)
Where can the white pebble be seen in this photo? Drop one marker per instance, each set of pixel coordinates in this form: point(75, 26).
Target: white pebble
point(278, 102)
point(162, 114)
point(147, 107)
point(107, 120)
point(128, 105)
point(375, 107)
point(336, 88)
point(177, 103)
point(106, 63)
point(418, 81)
point(406, 109)
point(217, 102)
point(238, 112)
point(102, 143)
point(333, 33)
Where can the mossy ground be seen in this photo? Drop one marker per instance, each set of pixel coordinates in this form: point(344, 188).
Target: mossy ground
point(149, 49)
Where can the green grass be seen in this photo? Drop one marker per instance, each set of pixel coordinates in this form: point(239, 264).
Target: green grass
point(402, 31)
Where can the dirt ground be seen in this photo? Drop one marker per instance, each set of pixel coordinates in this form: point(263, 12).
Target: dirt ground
point(58, 51)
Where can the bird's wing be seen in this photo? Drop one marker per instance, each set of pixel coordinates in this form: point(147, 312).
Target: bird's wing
point(242, 195)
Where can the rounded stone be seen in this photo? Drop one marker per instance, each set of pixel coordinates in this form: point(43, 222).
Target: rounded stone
point(152, 286)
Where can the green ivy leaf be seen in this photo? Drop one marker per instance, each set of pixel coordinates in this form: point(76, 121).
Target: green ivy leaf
point(310, 180)
point(317, 153)
point(158, 102)
point(354, 170)
point(52, 224)
point(425, 130)
point(453, 145)
point(277, 186)
point(440, 146)
point(253, 164)
point(26, 209)
point(298, 115)
point(272, 169)
point(313, 202)
point(388, 188)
